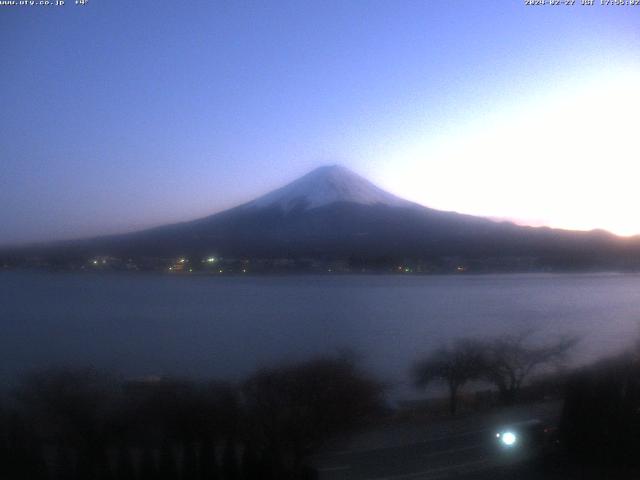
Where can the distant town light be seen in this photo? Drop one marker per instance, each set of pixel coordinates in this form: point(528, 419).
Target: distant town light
point(182, 260)
point(211, 260)
point(95, 262)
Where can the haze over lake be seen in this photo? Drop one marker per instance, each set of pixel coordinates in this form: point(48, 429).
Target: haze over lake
point(226, 327)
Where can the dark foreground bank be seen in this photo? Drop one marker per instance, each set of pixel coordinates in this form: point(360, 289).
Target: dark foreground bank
point(324, 418)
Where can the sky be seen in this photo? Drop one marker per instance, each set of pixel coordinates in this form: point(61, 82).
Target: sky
point(119, 115)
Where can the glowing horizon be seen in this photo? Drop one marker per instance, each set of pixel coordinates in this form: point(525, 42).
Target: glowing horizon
point(565, 160)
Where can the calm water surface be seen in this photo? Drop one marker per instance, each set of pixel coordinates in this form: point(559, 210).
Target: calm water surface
point(141, 324)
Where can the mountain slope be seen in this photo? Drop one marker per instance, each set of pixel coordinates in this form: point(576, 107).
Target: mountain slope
point(334, 213)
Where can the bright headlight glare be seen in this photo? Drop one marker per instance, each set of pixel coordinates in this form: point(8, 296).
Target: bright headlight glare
point(508, 438)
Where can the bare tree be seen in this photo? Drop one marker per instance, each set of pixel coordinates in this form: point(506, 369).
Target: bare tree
point(454, 365)
point(510, 359)
point(293, 410)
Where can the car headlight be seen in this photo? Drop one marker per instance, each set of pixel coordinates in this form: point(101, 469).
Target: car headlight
point(508, 439)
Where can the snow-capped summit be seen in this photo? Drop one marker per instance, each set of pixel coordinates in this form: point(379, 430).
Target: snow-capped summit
point(326, 185)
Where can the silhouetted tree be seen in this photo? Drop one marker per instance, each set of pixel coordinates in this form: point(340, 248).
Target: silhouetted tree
point(93, 463)
point(168, 467)
point(510, 359)
point(24, 456)
point(96, 428)
point(74, 407)
point(208, 460)
point(124, 464)
point(251, 462)
point(294, 410)
point(454, 365)
point(601, 417)
point(189, 468)
point(148, 468)
point(230, 460)
point(63, 468)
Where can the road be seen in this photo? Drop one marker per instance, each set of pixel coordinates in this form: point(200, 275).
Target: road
point(457, 448)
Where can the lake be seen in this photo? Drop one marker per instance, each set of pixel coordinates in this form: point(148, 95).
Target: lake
point(226, 327)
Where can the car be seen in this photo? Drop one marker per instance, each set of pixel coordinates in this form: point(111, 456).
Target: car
point(527, 438)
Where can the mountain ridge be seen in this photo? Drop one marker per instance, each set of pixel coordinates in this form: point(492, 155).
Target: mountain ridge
point(333, 213)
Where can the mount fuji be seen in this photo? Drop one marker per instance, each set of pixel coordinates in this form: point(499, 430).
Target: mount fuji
point(324, 186)
point(333, 213)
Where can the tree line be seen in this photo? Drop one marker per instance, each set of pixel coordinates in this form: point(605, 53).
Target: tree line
point(505, 362)
point(86, 424)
